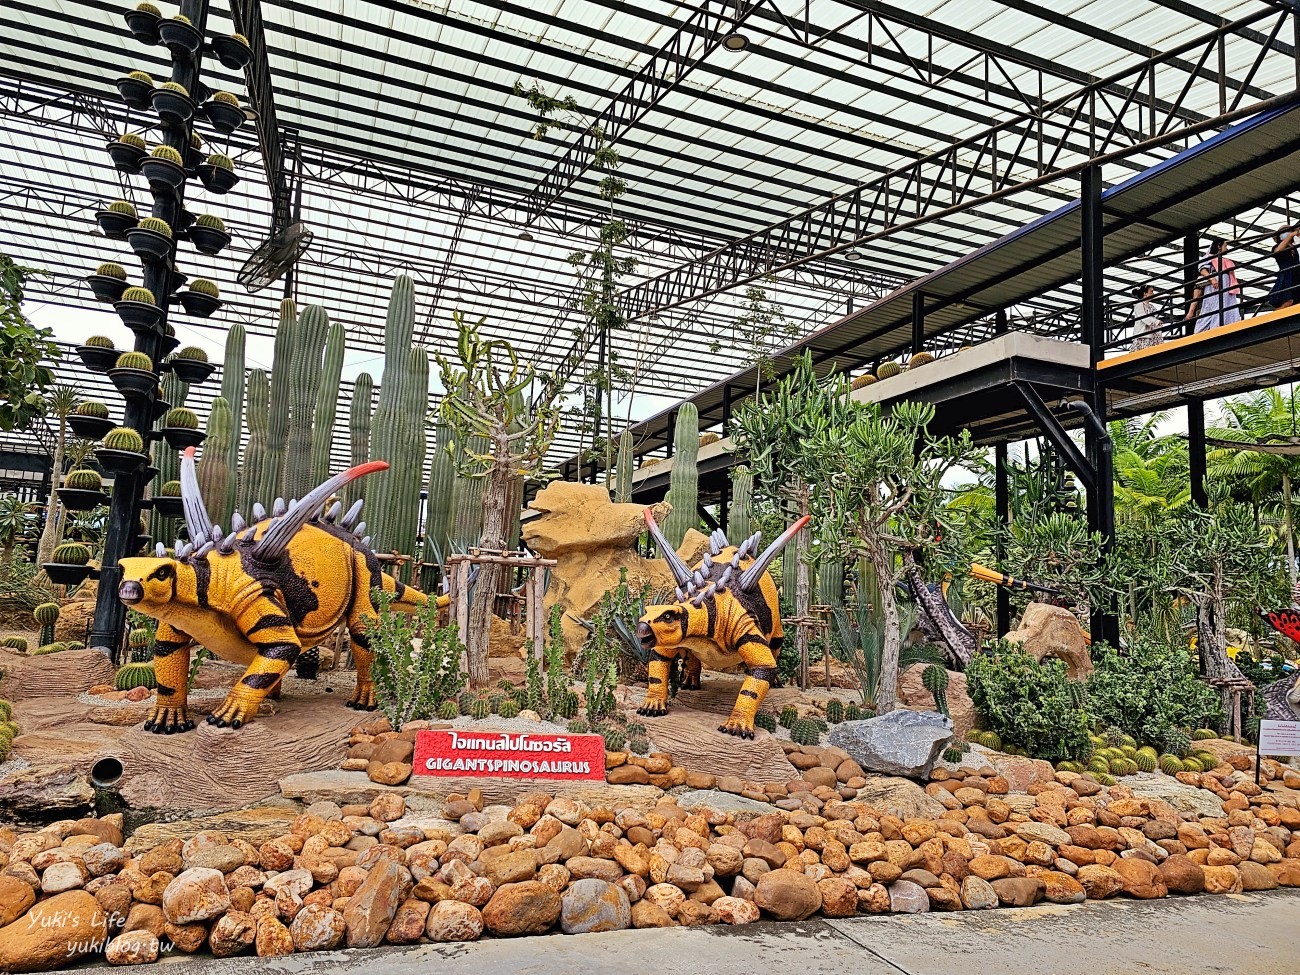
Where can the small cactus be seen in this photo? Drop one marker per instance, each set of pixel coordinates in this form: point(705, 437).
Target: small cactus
point(765, 720)
point(142, 295)
point(124, 438)
point(480, 710)
point(1204, 734)
point(138, 637)
point(135, 360)
point(952, 755)
point(205, 287)
point(834, 711)
point(509, 708)
point(615, 740)
point(167, 154)
point(99, 342)
point(131, 139)
point(466, 702)
point(992, 741)
point(111, 270)
point(122, 206)
point(191, 352)
point(638, 745)
point(1145, 761)
point(133, 675)
point(888, 369)
point(505, 684)
point(181, 18)
point(211, 221)
point(226, 98)
point(568, 706)
point(1104, 778)
point(853, 712)
point(920, 359)
point(241, 38)
point(578, 726)
point(71, 553)
point(935, 680)
point(448, 710)
point(83, 480)
point(141, 76)
point(181, 418)
point(46, 614)
point(1191, 764)
point(1171, 764)
point(15, 643)
point(170, 489)
point(155, 225)
point(495, 701)
point(789, 715)
point(804, 732)
point(1114, 737)
point(177, 87)
point(148, 8)
point(221, 161)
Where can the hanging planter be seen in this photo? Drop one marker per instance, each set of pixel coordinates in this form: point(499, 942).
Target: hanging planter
point(176, 280)
point(163, 170)
point(108, 282)
point(181, 429)
point(90, 419)
point(169, 342)
point(116, 219)
point(67, 575)
point(218, 173)
point(142, 22)
point(169, 506)
point(151, 239)
point(122, 450)
point(179, 36)
point(98, 354)
point(173, 104)
point(191, 365)
point(127, 152)
point(138, 310)
point(224, 112)
point(136, 89)
point(208, 235)
point(82, 490)
point(233, 51)
point(159, 407)
point(134, 378)
point(202, 298)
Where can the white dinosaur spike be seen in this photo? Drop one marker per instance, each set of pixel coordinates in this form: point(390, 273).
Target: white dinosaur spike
point(278, 508)
point(365, 542)
point(359, 530)
point(681, 596)
point(698, 601)
point(698, 578)
point(335, 510)
point(724, 578)
point(350, 518)
point(714, 547)
point(293, 504)
point(184, 550)
point(706, 563)
point(259, 513)
point(249, 535)
point(237, 522)
point(215, 534)
point(203, 549)
point(160, 550)
point(735, 560)
point(718, 538)
point(227, 544)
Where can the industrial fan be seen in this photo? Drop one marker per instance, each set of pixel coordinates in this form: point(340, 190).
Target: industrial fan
point(274, 256)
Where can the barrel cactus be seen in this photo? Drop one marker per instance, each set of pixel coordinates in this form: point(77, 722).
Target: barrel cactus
point(110, 270)
point(170, 489)
point(888, 370)
point(465, 701)
point(167, 154)
point(804, 732)
point(862, 382)
point(853, 712)
point(495, 701)
point(210, 221)
point(568, 706)
point(578, 726)
point(133, 675)
point(46, 614)
point(834, 711)
point(920, 359)
point(1171, 764)
point(125, 207)
point(480, 710)
point(191, 353)
point(181, 418)
point(220, 160)
point(83, 480)
point(789, 715)
point(1191, 764)
point(156, 225)
point(448, 710)
point(509, 708)
point(952, 755)
point(765, 720)
point(205, 287)
point(15, 643)
point(135, 360)
point(638, 745)
point(124, 438)
point(1204, 734)
point(142, 295)
point(1145, 761)
point(615, 740)
point(71, 553)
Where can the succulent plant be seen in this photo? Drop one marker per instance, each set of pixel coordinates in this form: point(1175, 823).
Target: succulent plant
point(638, 745)
point(175, 86)
point(765, 720)
point(46, 614)
point(196, 141)
point(71, 553)
point(448, 710)
point(1098, 765)
point(133, 675)
point(1204, 734)
point(853, 712)
point(156, 225)
point(1146, 762)
point(142, 295)
point(953, 755)
point(221, 161)
point(170, 489)
point(110, 270)
point(1171, 764)
point(1113, 737)
point(138, 637)
point(615, 740)
point(241, 38)
point(141, 76)
point(495, 701)
point(92, 407)
point(465, 701)
point(205, 287)
point(888, 369)
point(124, 438)
point(135, 360)
point(568, 706)
point(804, 732)
point(509, 708)
point(1104, 778)
point(181, 18)
point(578, 726)
point(935, 680)
point(167, 154)
point(14, 643)
point(148, 8)
point(992, 740)
point(181, 418)
point(209, 220)
point(480, 710)
point(863, 381)
point(1128, 751)
point(920, 359)
point(47, 648)
point(834, 711)
point(122, 206)
point(789, 715)
point(226, 98)
point(191, 352)
point(1128, 741)
point(1177, 741)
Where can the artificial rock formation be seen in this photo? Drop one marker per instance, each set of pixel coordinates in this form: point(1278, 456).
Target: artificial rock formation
point(899, 743)
point(1053, 631)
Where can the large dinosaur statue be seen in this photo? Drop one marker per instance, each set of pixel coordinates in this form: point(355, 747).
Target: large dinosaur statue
point(1282, 697)
point(731, 601)
point(259, 596)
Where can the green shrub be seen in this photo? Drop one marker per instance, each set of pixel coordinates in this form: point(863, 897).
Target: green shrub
point(1149, 691)
point(1028, 702)
point(411, 682)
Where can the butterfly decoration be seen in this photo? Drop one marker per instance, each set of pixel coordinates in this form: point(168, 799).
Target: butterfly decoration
point(1285, 621)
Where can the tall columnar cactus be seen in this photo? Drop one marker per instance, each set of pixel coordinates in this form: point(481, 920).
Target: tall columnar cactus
point(683, 482)
point(174, 391)
point(830, 582)
point(277, 432)
point(214, 465)
point(359, 430)
point(440, 510)
point(623, 468)
point(408, 463)
point(257, 401)
point(740, 515)
point(232, 390)
point(467, 527)
point(304, 381)
point(327, 398)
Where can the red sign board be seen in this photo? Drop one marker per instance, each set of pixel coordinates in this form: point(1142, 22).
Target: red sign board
point(509, 755)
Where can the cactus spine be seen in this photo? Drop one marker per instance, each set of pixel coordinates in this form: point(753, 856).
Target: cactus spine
point(740, 516)
point(683, 482)
point(232, 390)
point(257, 404)
point(268, 483)
point(623, 468)
point(327, 398)
point(304, 381)
point(174, 391)
point(214, 466)
point(359, 428)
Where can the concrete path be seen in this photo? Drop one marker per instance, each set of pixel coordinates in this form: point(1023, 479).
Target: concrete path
point(1250, 934)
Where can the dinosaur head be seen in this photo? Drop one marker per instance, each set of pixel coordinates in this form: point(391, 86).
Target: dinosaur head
point(665, 626)
point(150, 583)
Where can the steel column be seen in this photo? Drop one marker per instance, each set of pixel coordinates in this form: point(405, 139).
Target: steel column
point(918, 322)
point(1002, 508)
point(1191, 264)
point(1196, 451)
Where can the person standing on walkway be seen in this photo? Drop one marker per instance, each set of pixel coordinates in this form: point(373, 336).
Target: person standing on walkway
point(1285, 287)
point(1147, 326)
point(1221, 295)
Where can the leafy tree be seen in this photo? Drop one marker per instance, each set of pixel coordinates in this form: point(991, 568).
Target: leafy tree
point(23, 347)
point(17, 521)
point(760, 330)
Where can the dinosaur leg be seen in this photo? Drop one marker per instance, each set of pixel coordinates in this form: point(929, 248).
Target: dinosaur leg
point(363, 614)
point(307, 665)
point(656, 694)
point(266, 625)
point(171, 667)
point(761, 665)
point(693, 668)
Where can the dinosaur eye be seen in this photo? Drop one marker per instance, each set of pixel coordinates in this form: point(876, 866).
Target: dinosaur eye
point(162, 573)
point(670, 616)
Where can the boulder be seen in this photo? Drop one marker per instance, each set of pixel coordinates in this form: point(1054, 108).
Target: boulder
point(454, 921)
point(318, 928)
point(787, 896)
point(590, 906)
point(530, 907)
point(132, 948)
point(16, 896)
point(372, 908)
point(899, 797)
point(197, 894)
point(1182, 875)
point(978, 894)
point(1099, 882)
point(57, 931)
point(906, 743)
point(906, 897)
point(913, 695)
point(1053, 631)
point(40, 792)
point(234, 932)
point(1141, 878)
point(1018, 891)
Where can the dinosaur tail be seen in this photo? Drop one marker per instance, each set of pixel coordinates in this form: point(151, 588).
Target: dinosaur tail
point(405, 598)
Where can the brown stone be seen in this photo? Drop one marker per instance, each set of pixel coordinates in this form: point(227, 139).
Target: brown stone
point(525, 908)
point(1142, 879)
point(409, 923)
point(198, 894)
point(786, 895)
point(15, 898)
point(55, 932)
point(1182, 875)
point(1222, 880)
point(627, 775)
point(1053, 631)
point(1256, 876)
point(1018, 891)
point(372, 908)
point(273, 938)
point(234, 932)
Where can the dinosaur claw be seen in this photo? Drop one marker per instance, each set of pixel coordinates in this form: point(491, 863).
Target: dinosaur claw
point(148, 725)
point(236, 723)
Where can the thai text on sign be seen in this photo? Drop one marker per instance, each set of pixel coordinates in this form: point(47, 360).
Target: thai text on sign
point(1279, 737)
point(510, 755)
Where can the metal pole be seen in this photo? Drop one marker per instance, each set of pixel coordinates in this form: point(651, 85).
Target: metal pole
point(128, 489)
point(1191, 261)
point(1092, 318)
point(1002, 506)
point(1196, 451)
point(918, 321)
point(1000, 322)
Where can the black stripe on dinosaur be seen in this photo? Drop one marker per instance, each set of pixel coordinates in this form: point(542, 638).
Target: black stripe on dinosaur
point(747, 639)
point(261, 681)
point(307, 665)
point(164, 690)
point(753, 694)
point(164, 648)
point(359, 637)
point(399, 589)
point(202, 578)
point(277, 651)
point(766, 674)
point(299, 597)
point(269, 620)
point(711, 608)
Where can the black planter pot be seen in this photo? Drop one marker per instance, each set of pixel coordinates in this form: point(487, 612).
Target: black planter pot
point(81, 499)
point(126, 157)
point(169, 507)
point(114, 225)
point(224, 118)
point(184, 221)
point(230, 52)
point(163, 174)
point(149, 244)
point(159, 410)
point(198, 304)
point(191, 370)
point(150, 473)
point(208, 240)
point(106, 288)
point(97, 359)
point(180, 38)
point(168, 344)
point(91, 427)
point(217, 180)
point(62, 574)
point(176, 281)
point(138, 315)
point(178, 438)
point(120, 461)
point(143, 543)
point(143, 25)
point(134, 92)
point(133, 383)
point(172, 107)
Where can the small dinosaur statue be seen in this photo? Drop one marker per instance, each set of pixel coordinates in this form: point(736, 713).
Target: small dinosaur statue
point(733, 602)
point(260, 596)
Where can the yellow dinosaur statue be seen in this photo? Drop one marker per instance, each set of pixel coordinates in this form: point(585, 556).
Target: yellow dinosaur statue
point(259, 596)
point(731, 601)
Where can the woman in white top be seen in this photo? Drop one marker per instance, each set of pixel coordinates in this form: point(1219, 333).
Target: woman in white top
point(1147, 325)
point(1221, 295)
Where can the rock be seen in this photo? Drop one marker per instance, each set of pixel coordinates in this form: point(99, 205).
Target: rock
point(690, 727)
point(1053, 631)
point(1256, 876)
point(132, 948)
point(734, 910)
point(454, 921)
point(388, 773)
point(786, 895)
point(223, 859)
point(1099, 882)
point(584, 868)
point(61, 876)
point(318, 928)
point(1182, 875)
point(906, 897)
point(627, 775)
point(372, 908)
point(1183, 797)
point(196, 895)
point(721, 802)
point(900, 797)
point(1018, 891)
point(409, 923)
point(234, 932)
point(273, 938)
point(912, 694)
point(646, 914)
point(1222, 880)
point(530, 907)
point(187, 938)
point(15, 898)
point(590, 906)
point(103, 858)
point(1061, 888)
point(906, 743)
point(839, 897)
point(43, 791)
point(977, 894)
point(58, 930)
point(1141, 878)
point(1042, 832)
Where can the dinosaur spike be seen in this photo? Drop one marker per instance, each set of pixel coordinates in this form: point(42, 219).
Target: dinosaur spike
point(365, 542)
point(259, 513)
point(724, 578)
point(718, 538)
point(698, 601)
point(353, 513)
point(248, 536)
point(680, 570)
point(334, 512)
point(203, 550)
point(681, 596)
point(698, 578)
point(184, 551)
point(749, 578)
point(197, 520)
point(714, 547)
point(227, 544)
point(360, 530)
point(275, 541)
point(160, 550)
point(215, 533)
point(237, 522)
point(293, 504)
point(735, 560)
point(278, 508)
point(706, 563)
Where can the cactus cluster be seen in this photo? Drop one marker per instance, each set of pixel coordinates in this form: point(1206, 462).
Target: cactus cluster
point(124, 438)
point(805, 732)
point(683, 481)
